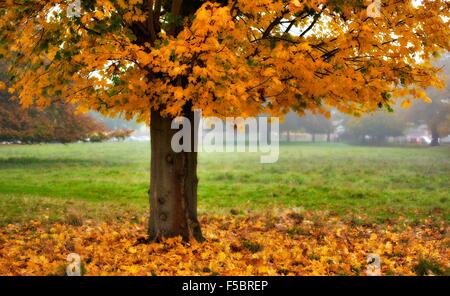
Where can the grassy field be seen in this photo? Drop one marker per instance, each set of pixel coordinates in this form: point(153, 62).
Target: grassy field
point(103, 181)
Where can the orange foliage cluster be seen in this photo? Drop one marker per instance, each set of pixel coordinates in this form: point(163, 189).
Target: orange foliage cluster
point(237, 59)
point(285, 244)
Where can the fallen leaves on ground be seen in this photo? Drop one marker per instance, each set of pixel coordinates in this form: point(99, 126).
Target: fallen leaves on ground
point(283, 244)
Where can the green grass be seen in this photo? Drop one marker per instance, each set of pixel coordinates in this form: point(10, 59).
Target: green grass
point(105, 180)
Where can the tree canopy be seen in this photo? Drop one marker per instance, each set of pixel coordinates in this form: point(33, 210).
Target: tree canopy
point(224, 57)
point(57, 123)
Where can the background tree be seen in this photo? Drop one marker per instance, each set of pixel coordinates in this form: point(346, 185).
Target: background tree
point(56, 123)
point(317, 124)
point(374, 128)
point(157, 59)
point(435, 113)
point(291, 124)
point(310, 123)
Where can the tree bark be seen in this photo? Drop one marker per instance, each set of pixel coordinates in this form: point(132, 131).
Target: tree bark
point(173, 183)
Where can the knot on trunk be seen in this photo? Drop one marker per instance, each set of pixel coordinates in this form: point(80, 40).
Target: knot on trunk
point(163, 216)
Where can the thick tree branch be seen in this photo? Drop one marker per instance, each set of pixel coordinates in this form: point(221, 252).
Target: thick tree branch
point(175, 10)
point(150, 21)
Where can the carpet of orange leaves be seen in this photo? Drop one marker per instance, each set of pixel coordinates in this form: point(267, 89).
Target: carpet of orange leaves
point(281, 244)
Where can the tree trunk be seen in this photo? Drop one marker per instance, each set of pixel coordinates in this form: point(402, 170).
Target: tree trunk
point(434, 136)
point(363, 140)
point(173, 183)
point(313, 138)
point(288, 136)
point(328, 137)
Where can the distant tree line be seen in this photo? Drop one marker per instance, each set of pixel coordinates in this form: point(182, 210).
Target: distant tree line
point(378, 127)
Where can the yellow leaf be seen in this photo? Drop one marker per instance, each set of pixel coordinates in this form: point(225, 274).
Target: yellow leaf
point(427, 100)
point(296, 3)
point(222, 256)
point(178, 93)
point(406, 103)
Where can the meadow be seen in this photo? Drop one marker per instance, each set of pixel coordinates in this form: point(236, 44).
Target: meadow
point(105, 181)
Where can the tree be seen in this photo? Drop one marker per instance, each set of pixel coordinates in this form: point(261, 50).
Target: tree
point(317, 124)
point(310, 123)
point(435, 113)
point(291, 123)
point(56, 123)
point(378, 127)
point(158, 59)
